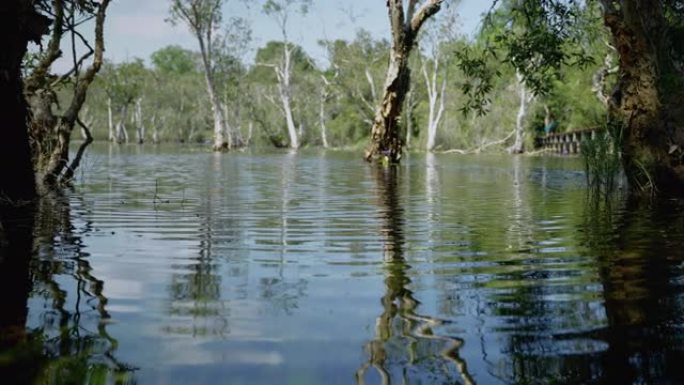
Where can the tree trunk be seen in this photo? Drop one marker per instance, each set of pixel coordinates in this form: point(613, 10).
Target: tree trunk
point(386, 133)
point(321, 113)
point(435, 97)
point(410, 106)
point(648, 98)
point(19, 24)
point(386, 142)
point(222, 139)
point(234, 132)
point(155, 130)
point(139, 126)
point(110, 120)
point(121, 132)
point(59, 156)
point(518, 145)
point(285, 90)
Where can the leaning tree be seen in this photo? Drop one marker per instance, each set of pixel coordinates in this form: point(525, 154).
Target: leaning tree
point(405, 22)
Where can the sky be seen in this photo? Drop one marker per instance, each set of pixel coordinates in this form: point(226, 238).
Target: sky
point(137, 28)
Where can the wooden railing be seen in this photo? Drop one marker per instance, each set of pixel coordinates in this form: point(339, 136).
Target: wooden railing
point(567, 142)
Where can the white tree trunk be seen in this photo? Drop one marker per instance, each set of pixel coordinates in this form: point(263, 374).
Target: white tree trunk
point(222, 138)
point(435, 101)
point(518, 146)
point(321, 113)
point(139, 126)
point(110, 120)
point(121, 132)
point(371, 83)
point(284, 89)
point(155, 130)
point(250, 129)
point(410, 105)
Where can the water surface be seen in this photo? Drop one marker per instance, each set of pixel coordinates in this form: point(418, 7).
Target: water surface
point(177, 266)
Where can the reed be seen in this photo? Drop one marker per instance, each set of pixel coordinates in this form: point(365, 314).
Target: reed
point(602, 158)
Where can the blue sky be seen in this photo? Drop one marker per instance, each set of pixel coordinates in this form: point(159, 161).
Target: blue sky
point(136, 28)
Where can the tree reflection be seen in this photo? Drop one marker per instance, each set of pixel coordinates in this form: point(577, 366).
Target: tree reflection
point(632, 333)
point(67, 341)
point(641, 272)
point(195, 288)
point(405, 344)
point(280, 291)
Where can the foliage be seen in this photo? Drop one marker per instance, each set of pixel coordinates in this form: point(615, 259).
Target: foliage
point(480, 77)
point(537, 38)
point(174, 60)
point(126, 81)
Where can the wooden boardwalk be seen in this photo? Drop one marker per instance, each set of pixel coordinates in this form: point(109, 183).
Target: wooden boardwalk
point(567, 142)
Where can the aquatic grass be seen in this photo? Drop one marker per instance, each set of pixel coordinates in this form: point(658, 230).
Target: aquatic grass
point(602, 157)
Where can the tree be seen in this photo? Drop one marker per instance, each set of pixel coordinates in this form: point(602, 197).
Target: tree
point(525, 98)
point(435, 37)
point(203, 17)
point(287, 97)
point(50, 131)
point(20, 23)
point(355, 96)
point(173, 60)
point(281, 10)
point(124, 86)
point(645, 105)
point(649, 94)
point(386, 141)
point(230, 71)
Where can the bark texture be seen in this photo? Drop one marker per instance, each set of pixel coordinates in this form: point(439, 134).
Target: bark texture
point(648, 100)
point(386, 140)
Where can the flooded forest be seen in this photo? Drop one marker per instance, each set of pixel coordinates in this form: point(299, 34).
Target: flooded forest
point(358, 192)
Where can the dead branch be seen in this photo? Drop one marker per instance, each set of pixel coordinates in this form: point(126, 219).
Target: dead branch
point(69, 173)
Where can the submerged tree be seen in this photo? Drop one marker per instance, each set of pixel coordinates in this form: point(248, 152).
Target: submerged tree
point(280, 10)
point(124, 87)
point(204, 17)
point(50, 131)
point(386, 141)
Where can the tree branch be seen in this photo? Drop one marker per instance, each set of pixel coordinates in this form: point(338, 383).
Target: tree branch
point(39, 74)
point(396, 16)
point(428, 9)
point(82, 86)
point(69, 173)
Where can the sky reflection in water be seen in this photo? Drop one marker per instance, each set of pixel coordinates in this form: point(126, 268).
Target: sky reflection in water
point(170, 266)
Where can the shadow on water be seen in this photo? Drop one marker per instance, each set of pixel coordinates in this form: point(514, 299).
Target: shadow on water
point(42, 260)
point(637, 250)
point(641, 271)
point(406, 349)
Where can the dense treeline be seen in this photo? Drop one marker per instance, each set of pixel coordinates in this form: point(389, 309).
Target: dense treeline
point(333, 99)
point(533, 64)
